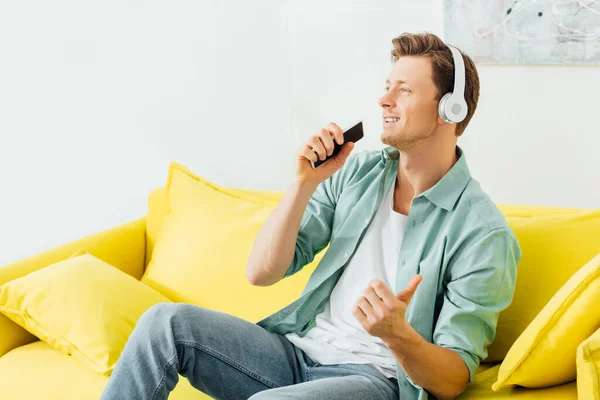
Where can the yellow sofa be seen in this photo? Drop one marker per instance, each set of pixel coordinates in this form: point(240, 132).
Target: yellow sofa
point(31, 369)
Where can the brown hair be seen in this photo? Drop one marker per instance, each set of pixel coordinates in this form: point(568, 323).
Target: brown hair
point(442, 65)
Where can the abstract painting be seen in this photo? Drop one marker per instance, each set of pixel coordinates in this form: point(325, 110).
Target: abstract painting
point(525, 31)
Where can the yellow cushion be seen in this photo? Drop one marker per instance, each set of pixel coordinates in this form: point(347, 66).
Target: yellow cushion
point(201, 252)
point(121, 246)
point(554, 247)
point(38, 371)
point(544, 355)
point(82, 306)
point(481, 388)
point(588, 368)
point(525, 211)
point(158, 208)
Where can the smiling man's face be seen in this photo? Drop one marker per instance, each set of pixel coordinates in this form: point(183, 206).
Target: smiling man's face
point(411, 96)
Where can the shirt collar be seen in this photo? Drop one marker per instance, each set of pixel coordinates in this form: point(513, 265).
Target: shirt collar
point(446, 191)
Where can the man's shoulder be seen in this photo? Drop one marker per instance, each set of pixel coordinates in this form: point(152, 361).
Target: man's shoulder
point(481, 223)
point(476, 206)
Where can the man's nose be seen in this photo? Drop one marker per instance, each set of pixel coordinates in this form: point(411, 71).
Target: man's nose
point(385, 100)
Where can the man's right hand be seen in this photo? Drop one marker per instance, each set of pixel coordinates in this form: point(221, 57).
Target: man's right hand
point(321, 145)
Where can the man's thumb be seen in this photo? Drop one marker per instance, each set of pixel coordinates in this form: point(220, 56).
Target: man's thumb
point(407, 293)
point(405, 296)
point(340, 158)
point(346, 149)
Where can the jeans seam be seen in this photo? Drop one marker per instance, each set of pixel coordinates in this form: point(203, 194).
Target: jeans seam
point(229, 361)
point(371, 373)
point(164, 376)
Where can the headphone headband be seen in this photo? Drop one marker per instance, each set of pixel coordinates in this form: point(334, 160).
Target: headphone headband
point(453, 107)
point(459, 73)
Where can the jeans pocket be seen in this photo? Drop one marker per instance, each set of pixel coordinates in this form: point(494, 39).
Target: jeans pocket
point(309, 361)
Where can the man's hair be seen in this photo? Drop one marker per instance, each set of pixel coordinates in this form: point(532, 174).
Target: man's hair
point(442, 65)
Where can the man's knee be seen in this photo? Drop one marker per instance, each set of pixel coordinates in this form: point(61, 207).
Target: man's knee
point(282, 392)
point(262, 395)
point(161, 316)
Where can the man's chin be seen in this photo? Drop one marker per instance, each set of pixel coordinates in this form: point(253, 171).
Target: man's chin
point(393, 138)
point(398, 141)
point(389, 137)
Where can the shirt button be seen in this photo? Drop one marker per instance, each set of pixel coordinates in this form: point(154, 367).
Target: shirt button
point(402, 262)
point(346, 254)
point(367, 221)
point(414, 223)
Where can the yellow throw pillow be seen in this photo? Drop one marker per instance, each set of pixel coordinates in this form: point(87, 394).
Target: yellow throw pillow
point(201, 251)
point(158, 208)
point(82, 306)
point(554, 247)
point(588, 368)
point(544, 355)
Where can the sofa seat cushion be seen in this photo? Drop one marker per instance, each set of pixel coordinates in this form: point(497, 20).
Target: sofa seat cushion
point(38, 371)
point(487, 374)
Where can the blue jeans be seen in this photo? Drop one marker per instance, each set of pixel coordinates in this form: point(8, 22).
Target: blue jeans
point(230, 358)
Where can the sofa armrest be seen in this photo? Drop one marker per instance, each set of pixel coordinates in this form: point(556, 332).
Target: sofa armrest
point(122, 246)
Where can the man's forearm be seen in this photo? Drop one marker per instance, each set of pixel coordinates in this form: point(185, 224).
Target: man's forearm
point(440, 371)
point(275, 242)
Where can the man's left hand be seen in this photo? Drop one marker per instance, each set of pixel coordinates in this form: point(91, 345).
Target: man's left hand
point(381, 313)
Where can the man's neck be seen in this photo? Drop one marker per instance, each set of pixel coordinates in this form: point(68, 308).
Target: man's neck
point(422, 167)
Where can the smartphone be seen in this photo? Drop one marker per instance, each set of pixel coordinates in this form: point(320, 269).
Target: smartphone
point(353, 134)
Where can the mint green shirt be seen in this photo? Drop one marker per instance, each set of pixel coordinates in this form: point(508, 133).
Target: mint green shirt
point(456, 238)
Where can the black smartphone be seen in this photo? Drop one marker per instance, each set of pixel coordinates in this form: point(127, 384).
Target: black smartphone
point(353, 134)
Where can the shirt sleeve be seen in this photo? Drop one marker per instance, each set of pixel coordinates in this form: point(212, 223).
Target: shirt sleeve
point(315, 227)
point(317, 222)
point(480, 284)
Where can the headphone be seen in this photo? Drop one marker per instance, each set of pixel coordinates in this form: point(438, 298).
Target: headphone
point(453, 107)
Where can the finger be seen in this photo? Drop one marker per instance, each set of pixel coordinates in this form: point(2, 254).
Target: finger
point(327, 140)
point(382, 292)
point(317, 146)
point(407, 294)
point(337, 132)
point(347, 148)
point(365, 305)
point(373, 297)
point(414, 282)
point(340, 158)
point(309, 153)
point(359, 314)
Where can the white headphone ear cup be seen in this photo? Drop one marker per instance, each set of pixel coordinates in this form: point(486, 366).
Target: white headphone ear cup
point(452, 110)
point(459, 110)
point(442, 109)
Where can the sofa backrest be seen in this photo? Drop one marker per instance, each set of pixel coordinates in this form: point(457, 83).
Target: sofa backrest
point(555, 242)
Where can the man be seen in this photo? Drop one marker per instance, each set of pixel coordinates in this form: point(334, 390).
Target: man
point(405, 301)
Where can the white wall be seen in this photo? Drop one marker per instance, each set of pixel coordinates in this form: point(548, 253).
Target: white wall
point(97, 98)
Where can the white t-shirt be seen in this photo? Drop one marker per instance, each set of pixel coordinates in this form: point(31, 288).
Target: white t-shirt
point(338, 337)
